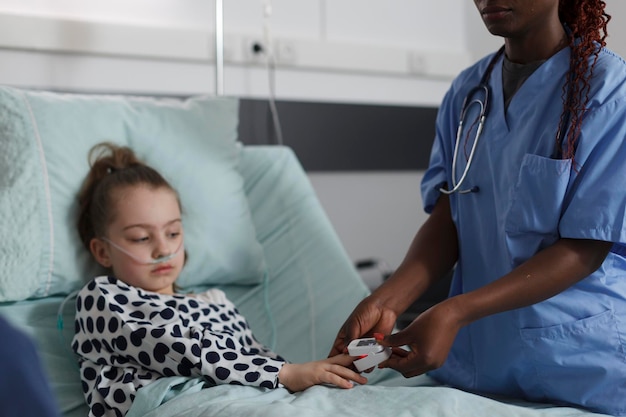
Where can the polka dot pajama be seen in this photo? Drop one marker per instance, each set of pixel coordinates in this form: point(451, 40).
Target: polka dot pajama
point(127, 338)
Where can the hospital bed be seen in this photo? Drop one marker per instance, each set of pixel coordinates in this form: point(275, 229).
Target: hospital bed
point(254, 227)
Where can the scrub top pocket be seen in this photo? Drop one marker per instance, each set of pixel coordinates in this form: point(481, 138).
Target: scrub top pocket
point(583, 359)
point(536, 204)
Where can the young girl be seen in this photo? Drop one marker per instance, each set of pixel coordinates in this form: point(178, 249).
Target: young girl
point(131, 326)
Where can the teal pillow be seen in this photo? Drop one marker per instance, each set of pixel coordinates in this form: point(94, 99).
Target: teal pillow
point(45, 139)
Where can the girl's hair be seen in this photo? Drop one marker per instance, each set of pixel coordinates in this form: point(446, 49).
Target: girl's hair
point(113, 167)
point(587, 22)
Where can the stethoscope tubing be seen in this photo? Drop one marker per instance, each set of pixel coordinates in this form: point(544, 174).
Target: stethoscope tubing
point(468, 102)
point(456, 185)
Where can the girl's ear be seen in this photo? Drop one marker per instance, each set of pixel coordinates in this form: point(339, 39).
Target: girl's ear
point(100, 251)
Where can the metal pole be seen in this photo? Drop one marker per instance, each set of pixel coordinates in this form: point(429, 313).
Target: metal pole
point(219, 48)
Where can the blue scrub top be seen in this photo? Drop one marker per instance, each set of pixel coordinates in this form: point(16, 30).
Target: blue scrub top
point(570, 348)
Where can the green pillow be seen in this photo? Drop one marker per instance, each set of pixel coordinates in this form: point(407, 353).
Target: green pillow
point(45, 139)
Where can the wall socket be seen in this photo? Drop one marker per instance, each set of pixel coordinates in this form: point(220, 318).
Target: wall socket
point(285, 52)
point(254, 50)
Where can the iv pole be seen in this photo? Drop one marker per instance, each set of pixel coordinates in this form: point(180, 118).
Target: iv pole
point(219, 48)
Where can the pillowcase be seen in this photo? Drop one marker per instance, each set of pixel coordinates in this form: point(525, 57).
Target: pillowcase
point(45, 139)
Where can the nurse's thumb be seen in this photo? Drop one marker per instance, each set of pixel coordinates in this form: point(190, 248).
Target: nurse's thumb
point(392, 340)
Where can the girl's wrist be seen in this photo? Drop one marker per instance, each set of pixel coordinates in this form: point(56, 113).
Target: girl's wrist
point(283, 376)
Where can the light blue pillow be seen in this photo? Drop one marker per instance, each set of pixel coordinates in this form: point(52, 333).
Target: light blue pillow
point(45, 139)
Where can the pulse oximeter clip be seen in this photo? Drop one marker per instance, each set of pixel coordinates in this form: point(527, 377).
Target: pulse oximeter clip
point(369, 353)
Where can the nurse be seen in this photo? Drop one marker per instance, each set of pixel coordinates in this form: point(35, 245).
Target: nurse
point(534, 227)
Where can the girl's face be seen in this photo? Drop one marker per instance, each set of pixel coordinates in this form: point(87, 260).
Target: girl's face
point(146, 225)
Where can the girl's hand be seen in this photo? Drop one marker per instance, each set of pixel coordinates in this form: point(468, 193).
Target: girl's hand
point(333, 370)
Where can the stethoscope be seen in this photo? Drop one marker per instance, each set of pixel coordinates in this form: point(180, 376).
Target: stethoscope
point(470, 100)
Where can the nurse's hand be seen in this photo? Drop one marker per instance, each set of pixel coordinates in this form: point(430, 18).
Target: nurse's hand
point(429, 339)
point(369, 317)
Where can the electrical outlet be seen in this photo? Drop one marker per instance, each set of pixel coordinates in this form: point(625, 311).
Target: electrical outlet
point(286, 53)
point(254, 50)
point(418, 63)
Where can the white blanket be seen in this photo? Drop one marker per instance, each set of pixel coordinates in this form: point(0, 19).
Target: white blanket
point(388, 396)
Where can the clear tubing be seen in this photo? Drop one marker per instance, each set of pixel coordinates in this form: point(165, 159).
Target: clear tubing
point(143, 261)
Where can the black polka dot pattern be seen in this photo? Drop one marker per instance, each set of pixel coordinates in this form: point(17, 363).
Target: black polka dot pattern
point(127, 338)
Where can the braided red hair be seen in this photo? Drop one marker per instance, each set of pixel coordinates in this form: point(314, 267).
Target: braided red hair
point(587, 22)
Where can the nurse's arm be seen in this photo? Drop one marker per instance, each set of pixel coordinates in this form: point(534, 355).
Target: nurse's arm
point(431, 255)
point(433, 252)
point(546, 274)
point(431, 334)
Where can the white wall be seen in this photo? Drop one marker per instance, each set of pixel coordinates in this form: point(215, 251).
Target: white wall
point(397, 52)
point(325, 50)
